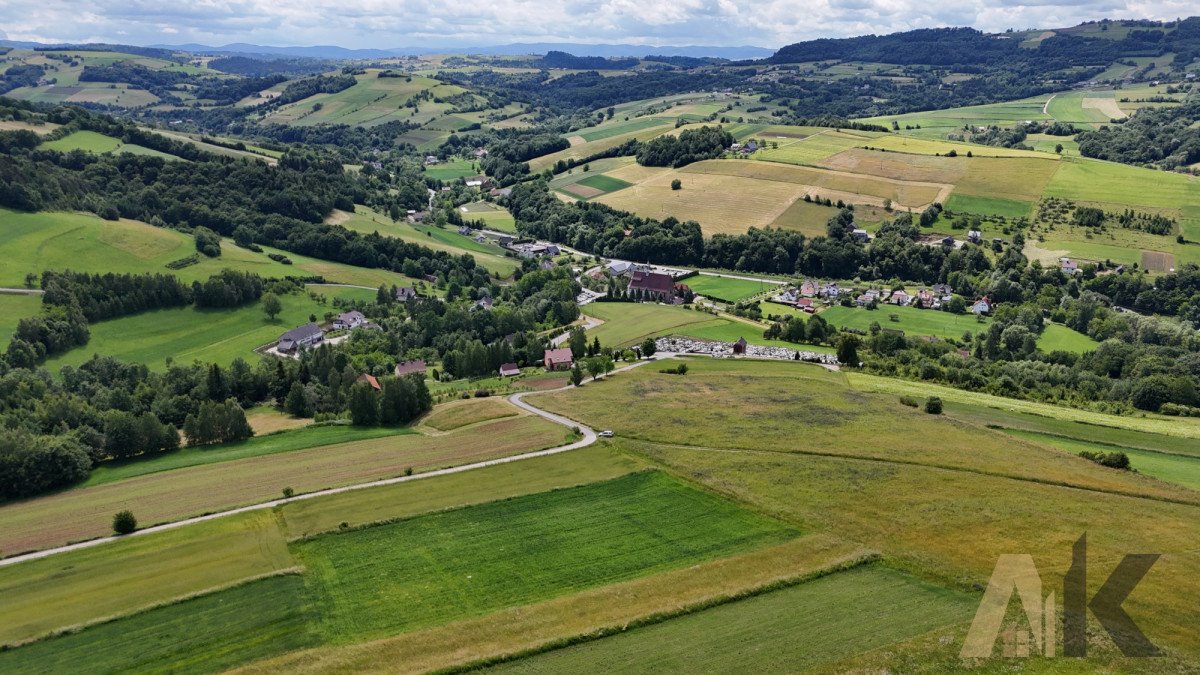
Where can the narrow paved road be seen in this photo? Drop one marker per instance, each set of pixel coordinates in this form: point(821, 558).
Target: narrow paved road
point(587, 325)
point(589, 437)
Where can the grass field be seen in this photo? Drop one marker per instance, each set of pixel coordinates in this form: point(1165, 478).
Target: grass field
point(619, 128)
point(807, 218)
point(457, 414)
point(201, 635)
point(839, 615)
point(489, 256)
point(1171, 468)
point(1057, 337)
point(97, 583)
point(310, 517)
point(166, 496)
point(35, 242)
point(592, 185)
point(192, 333)
point(456, 168)
point(996, 206)
point(13, 308)
point(296, 439)
point(649, 522)
point(627, 323)
point(911, 320)
point(90, 141)
point(726, 288)
point(938, 123)
point(494, 217)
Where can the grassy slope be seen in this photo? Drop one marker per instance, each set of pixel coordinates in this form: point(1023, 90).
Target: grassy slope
point(490, 256)
point(34, 242)
point(201, 635)
point(725, 288)
point(1177, 469)
point(1057, 337)
point(461, 413)
point(208, 335)
point(90, 141)
point(803, 626)
point(649, 523)
point(13, 308)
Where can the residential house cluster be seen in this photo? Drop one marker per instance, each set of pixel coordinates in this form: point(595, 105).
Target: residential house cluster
point(535, 249)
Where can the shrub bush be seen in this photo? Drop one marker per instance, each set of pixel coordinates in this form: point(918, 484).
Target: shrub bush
point(933, 405)
point(124, 522)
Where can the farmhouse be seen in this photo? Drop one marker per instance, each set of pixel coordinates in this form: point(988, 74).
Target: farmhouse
point(369, 379)
point(349, 320)
point(859, 234)
point(982, 306)
point(478, 181)
point(809, 288)
point(536, 250)
point(509, 370)
point(559, 359)
point(500, 192)
point(464, 230)
point(483, 303)
point(406, 293)
point(900, 298)
point(974, 236)
point(1069, 266)
point(410, 368)
point(297, 338)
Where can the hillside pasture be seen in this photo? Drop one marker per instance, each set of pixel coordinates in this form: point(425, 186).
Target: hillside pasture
point(192, 333)
point(90, 141)
point(494, 217)
point(490, 256)
point(451, 169)
point(1057, 337)
point(649, 523)
point(54, 240)
point(935, 124)
point(13, 308)
point(1181, 470)
point(456, 414)
point(807, 218)
point(805, 148)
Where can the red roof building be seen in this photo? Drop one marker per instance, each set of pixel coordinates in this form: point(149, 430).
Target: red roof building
point(559, 359)
point(653, 285)
point(369, 379)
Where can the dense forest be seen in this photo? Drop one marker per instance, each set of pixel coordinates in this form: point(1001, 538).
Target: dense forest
point(1166, 138)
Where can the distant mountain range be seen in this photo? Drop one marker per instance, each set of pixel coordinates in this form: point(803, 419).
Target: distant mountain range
point(578, 49)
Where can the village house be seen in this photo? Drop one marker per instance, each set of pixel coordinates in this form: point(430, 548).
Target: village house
point(974, 236)
point(536, 250)
point(464, 230)
point(298, 338)
point(349, 320)
point(509, 370)
point(417, 216)
point(478, 181)
point(410, 368)
point(558, 359)
point(619, 267)
point(1069, 266)
point(500, 192)
point(369, 379)
point(430, 160)
point(900, 297)
point(859, 234)
point(943, 291)
point(483, 303)
point(504, 240)
point(480, 152)
point(809, 288)
point(982, 306)
point(830, 291)
point(406, 293)
point(947, 241)
point(788, 297)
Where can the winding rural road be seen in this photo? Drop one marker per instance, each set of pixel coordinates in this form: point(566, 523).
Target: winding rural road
point(589, 437)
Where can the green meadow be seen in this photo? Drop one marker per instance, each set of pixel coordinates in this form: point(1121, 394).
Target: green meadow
point(911, 320)
point(726, 288)
point(377, 581)
point(201, 635)
point(1171, 468)
point(13, 308)
point(1058, 338)
point(450, 170)
point(90, 141)
point(209, 335)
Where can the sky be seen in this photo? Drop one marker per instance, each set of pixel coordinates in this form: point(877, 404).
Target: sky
point(422, 23)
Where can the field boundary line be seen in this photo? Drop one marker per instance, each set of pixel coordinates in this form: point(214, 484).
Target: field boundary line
point(655, 618)
point(589, 437)
point(939, 467)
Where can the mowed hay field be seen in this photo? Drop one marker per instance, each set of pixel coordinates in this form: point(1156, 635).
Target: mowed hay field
point(457, 414)
point(13, 308)
point(649, 522)
point(366, 221)
point(90, 141)
point(84, 513)
point(727, 288)
point(35, 242)
point(794, 629)
point(211, 336)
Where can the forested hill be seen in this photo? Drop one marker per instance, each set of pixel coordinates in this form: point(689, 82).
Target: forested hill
point(967, 46)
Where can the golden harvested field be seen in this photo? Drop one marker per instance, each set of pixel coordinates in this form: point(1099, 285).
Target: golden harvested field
point(730, 196)
point(39, 129)
point(899, 166)
point(86, 513)
point(920, 146)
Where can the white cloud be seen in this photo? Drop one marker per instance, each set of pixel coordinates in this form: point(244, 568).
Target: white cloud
point(398, 23)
